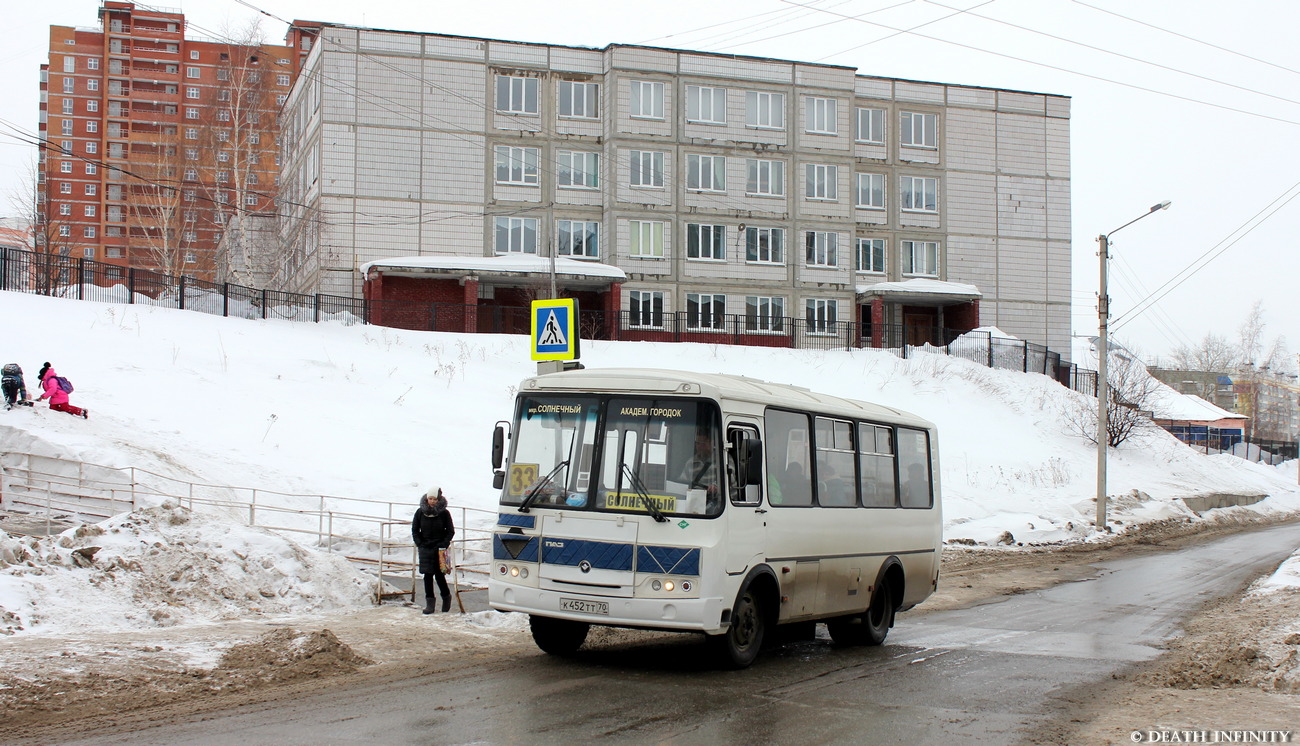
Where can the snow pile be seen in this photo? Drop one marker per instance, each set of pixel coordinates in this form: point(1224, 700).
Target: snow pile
point(1285, 578)
point(165, 566)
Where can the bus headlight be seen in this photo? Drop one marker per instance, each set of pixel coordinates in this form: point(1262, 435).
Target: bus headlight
point(668, 585)
point(514, 572)
point(655, 585)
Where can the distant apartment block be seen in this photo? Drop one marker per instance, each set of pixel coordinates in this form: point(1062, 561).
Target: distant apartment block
point(152, 141)
point(724, 187)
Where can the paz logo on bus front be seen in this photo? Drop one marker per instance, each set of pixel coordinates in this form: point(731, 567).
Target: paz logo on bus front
point(555, 329)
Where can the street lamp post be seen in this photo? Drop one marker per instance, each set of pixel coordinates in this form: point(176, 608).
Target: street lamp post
point(1103, 389)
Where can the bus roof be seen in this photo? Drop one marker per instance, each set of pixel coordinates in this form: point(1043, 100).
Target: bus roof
point(718, 385)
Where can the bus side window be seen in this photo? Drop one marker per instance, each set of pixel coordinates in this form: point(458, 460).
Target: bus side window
point(876, 464)
point(914, 468)
point(738, 441)
point(787, 451)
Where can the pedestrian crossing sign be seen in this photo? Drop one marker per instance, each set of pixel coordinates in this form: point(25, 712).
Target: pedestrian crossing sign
point(555, 329)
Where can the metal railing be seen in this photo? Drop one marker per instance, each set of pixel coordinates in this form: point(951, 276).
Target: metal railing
point(372, 534)
point(85, 279)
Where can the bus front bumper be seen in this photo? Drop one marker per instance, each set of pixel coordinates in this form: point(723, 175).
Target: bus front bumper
point(685, 614)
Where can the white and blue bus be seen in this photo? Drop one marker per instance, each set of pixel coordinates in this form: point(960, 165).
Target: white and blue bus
point(720, 504)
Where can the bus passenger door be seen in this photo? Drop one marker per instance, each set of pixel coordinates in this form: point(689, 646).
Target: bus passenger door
point(744, 517)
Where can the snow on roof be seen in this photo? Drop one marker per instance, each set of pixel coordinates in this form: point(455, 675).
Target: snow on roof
point(920, 286)
point(520, 263)
point(1168, 404)
point(994, 332)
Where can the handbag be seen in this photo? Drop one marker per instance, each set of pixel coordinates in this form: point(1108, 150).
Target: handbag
point(444, 560)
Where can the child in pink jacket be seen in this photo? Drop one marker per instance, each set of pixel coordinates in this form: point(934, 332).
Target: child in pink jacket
point(57, 396)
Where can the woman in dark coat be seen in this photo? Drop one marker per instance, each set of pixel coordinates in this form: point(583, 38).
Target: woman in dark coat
point(432, 530)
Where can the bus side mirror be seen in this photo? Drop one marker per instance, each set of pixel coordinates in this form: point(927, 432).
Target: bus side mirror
point(498, 445)
point(752, 461)
point(498, 479)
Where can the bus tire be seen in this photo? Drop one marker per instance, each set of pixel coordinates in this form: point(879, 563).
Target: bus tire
point(869, 627)
point(738, 647)
point(558, 636)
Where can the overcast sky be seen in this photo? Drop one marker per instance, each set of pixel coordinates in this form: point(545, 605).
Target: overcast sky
point(1192, 101)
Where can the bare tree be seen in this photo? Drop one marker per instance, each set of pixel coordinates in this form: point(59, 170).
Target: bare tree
point(1260, 364)
point(53, 243)
point(157, 213)
point(1128, 411)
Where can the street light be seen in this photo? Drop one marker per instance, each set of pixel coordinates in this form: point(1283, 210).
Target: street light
point(1103, 389)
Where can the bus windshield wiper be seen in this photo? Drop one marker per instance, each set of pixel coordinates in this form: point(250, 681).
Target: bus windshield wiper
point(541, 484)
point(641, 493)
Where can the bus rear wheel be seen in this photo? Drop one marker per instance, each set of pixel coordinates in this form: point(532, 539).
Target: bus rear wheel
point(868, 628)
point(738, 647)
point(558, 636)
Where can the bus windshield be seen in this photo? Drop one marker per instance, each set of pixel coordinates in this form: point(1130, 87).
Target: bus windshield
point(655, 455)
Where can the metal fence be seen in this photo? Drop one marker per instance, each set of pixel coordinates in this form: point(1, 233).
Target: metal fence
point(86, 279)
point(372, 534)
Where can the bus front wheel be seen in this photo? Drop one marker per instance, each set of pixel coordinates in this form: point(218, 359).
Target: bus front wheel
point(558, 636)
point(739, 645)
point(868, 628)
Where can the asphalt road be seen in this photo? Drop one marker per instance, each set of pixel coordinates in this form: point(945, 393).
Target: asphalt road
point(986, 674)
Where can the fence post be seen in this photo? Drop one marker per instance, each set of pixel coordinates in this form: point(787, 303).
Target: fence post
point(252, 509)
point(263, 302)
point(130, 284)
point(316, 309)
point(81, 278)
point(181, 301)
point(225, 299)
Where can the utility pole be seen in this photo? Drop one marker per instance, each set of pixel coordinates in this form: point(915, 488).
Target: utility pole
point(1103, 355)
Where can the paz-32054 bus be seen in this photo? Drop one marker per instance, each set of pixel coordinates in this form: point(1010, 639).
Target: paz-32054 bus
point(719, 504)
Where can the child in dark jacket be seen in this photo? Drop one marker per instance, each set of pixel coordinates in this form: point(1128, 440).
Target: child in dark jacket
point(431, 531)
point(15, 389)
point(57, 396)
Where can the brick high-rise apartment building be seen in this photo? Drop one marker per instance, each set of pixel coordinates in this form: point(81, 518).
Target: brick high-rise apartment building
point(152, 140)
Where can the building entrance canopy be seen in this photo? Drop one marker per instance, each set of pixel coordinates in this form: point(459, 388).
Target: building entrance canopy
point(919, 291)
point(500, 271)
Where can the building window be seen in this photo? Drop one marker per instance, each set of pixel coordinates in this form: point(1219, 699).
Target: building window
point(871, 191)
point(646, 308)
point(191, 112)
point(92, 169)
point(706, 172)
point(518, 165)
point(65, 230)
point(69, 64)
point(67, 106)
point(254, 138)
point(222, 95)
point(766, 245)
point(765, 178)
point(647, 168)
point(282, 79)
point(194, 54)
point(280, 99)
point(820, 115)
point(189, 236)
point(646, 238)
point(66, 127)
point(516, 95)
point(706, 311)
point(920, 257)
point(578, 238)
point(223, 175)
point(871, 126)
point(250, 199)
point(188, 195)
point(224, 75)
point(919, 194)
point(92, 85)
point(869, 256)
point(92, 148)
point(579, 100)
point(822, 181)
point(647, 99)
point(191, 72)
point(191, 133)
point(191, 92)
point(222, 135)
point(705, 104)
point(251, 180)
point(821, 248)
point(706, 241)
point(191, 154)
point(65, 187)
point(92, 105)
point(223, 115)
point(765, 110)
point(223, 156)
point(516, 235)
point(764, 314)
point(65, 167)
point(578, 170)
point(191, 257)
point(919, 130)
point(191, 174)
point(819, 315)
point(65, 209)
point(92, 64)
point(92, 126)
point(92, 190)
